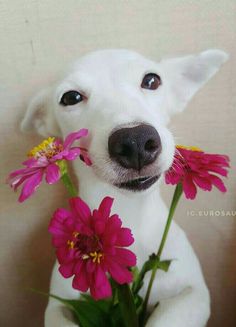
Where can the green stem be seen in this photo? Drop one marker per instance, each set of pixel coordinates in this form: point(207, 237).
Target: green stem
point(177, 194)
point(68, 184)
point(65, 177)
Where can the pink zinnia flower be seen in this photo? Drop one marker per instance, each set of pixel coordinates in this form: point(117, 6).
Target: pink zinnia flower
point(194, 168)
point(44, 159)
point(91, 244)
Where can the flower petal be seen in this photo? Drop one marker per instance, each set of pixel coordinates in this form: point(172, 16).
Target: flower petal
point(80, 281)
point(173, 176)
point(65, 255)
point(30, 185)
point(125, 257)
point(101, 287)
point(74, 136)
point(59, 156)
point(105, 207)
point(120, 274)
point(72, 154)
point(67, 269)
point(57, 226)
point(52, 173)
point(85, 157)
point(61, 214)
point(16, 181)
point(203, 182)
point(217, 182)
point(218, 170)
point(112, 228)
point(99, 227)
point(29, 163)
point(189, 188)
point(21, 172)
point(80, 209)
point(113, 225)
point(124, 237)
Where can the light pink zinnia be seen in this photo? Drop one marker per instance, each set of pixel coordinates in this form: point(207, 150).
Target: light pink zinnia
point(194, 168)
point(91, 244)
point(43, 160)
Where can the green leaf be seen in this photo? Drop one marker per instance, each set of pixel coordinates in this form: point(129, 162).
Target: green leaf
point(127, 305)
point(104, 313)
point(87, 312)
point(150, 264)
point(102, 305)
point(117, 319)
point(164, 265)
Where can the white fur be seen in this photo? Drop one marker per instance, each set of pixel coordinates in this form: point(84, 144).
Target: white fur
point(111, 80)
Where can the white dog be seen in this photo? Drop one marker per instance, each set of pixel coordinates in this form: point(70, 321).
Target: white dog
point(126, 102)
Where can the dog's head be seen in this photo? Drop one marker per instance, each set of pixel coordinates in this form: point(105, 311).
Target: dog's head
point(125, 101)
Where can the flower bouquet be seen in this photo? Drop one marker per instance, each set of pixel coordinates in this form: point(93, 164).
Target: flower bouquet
point(92, 244)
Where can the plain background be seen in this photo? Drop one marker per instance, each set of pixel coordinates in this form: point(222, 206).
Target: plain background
point(37, 39)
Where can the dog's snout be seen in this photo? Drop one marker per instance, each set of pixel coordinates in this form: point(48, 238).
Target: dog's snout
point(135, 147)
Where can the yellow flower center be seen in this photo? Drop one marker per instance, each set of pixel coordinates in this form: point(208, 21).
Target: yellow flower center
point(87, 246)
point(191, 148)
point(47, 149)
point(96, 256)
point(70, 244)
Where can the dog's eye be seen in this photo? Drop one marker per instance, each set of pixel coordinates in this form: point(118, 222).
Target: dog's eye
point(151, 81)
point(70, 98)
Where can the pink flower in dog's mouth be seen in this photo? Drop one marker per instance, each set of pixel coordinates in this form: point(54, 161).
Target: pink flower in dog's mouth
point(43, 160)
point(91, 244)
point(194, 168)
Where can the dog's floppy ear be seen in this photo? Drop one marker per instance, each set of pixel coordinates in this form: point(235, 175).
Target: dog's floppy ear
point(39, 115)
point(186, 75)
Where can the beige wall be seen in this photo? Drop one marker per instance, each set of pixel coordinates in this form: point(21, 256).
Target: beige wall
point(37, 39)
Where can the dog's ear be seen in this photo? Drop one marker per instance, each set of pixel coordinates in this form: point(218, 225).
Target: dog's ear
point(186, 75)
point(39, 115)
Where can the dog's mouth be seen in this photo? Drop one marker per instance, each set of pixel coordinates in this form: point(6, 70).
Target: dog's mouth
point(139, 184)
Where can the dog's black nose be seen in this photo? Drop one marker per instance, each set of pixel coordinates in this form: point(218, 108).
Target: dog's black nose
point(135, 147)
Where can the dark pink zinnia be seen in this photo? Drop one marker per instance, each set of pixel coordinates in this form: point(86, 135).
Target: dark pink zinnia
point(43, 160)
point(194, 168)
point(91, 244)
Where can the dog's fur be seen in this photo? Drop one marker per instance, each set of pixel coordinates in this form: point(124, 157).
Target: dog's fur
point(111, 80)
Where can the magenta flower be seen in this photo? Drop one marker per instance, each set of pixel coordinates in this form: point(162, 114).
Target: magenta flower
point(194, 168)
point(43, 160)
point(91, 244)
